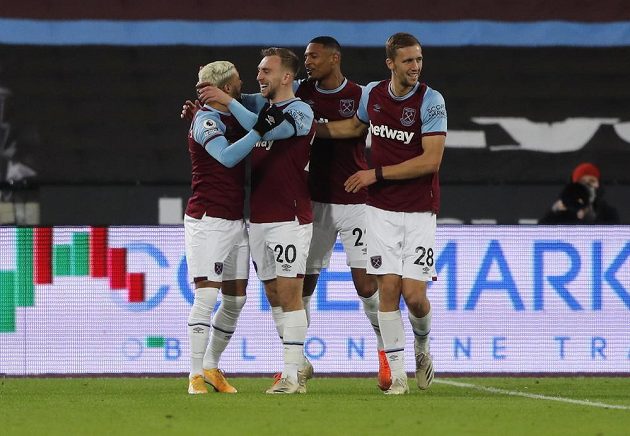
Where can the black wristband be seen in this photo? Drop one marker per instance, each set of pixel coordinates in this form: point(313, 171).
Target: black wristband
point(378, 171)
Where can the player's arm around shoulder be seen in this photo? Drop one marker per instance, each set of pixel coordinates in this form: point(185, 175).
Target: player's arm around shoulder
point(298, 121)
point(253, 102)
point(348, 128)
point(351, 127)
point(209, 131)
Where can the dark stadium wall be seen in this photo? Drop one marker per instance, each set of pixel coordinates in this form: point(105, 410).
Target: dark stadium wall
point(111, 114)
point(355, 10)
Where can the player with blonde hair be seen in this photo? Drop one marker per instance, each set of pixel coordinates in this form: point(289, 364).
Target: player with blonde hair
point(217, 246)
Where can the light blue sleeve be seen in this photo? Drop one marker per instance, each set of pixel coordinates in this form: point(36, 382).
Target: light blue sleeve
point(253, 102)
point(245, 118)
point(231, 154)
point(362, 113)
point(303, 117)
point(433, 112)
point(301, 113)
point(209, 131)
point(282, 131)
point(207, 125)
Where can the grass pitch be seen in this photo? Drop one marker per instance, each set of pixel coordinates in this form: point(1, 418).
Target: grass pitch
point(333, 406)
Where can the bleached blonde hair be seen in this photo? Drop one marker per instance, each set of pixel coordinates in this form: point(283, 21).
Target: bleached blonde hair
point(217, 73)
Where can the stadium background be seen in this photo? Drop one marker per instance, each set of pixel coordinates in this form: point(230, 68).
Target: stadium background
point(531, 89)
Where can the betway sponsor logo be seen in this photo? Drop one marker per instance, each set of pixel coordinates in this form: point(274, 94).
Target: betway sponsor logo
point(387, 132)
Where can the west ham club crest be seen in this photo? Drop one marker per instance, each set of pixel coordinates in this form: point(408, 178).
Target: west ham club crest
point(408, 116)
point(218, 268)
point(346, 107)
point(376, 262)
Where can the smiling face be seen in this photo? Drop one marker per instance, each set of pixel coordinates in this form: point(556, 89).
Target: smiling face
point(319, 61)
point(271, 76)
point(406, 66)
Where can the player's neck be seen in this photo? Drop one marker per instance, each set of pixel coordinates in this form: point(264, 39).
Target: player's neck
point(332, 81)
point(398, 89)
point(218, 106)
point(283, 94)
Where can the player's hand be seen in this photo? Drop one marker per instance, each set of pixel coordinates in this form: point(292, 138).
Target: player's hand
point(189, 109)
point(268, 118)
point(208, 93)
point(360, 180)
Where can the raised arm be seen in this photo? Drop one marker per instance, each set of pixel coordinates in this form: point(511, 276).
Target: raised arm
point(245, 116)
point(231, 154)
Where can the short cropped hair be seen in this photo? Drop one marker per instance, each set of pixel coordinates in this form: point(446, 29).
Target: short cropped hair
point(328, 42)
point(399, 40)
point(288, 59)
point(217, 73)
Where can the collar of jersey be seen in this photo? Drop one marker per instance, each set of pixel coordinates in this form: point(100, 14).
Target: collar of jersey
point(402, 97)
point(331, 91)
point(286, 102)
point(210, 108)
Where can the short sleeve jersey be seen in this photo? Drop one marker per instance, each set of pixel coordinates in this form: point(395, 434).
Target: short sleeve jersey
point(334, 160)
point(217, 191)
point(279, 189)
point(397, 125)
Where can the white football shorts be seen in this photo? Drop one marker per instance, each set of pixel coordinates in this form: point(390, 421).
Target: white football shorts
point(401, 243)
point(330, 220)
point(216, 248)
point(280, 249)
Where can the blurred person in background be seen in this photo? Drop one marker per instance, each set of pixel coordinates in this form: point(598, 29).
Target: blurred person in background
point(600, 211)
point(570, 208)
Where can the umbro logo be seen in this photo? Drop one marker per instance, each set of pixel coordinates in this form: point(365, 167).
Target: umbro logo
point(286, 267)
point(377, 108)
point(198, 330)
